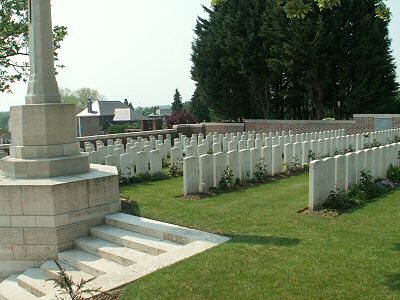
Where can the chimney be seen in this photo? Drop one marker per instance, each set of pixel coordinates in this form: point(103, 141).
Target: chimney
point(89, 106)
point(126, 102)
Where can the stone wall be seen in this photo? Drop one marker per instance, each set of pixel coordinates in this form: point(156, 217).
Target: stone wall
point(206, 128)
point(298, 126)
point(359, 124)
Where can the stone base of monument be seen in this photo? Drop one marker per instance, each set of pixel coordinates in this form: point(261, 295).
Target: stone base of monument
point(116, 253)
point(41, 217)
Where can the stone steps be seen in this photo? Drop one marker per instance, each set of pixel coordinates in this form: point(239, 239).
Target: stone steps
point(122, 250)
point(10, 290)
point(150, 227)
point(51, 270)
point(89, 263)
point(34, 280)
point(111, 251)
point(134, 240)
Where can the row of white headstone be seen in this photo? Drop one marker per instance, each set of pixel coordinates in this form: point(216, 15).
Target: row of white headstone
point(338, 173)
point(198, 144)
point(203, 171)
point(130, 161)
point(138, 157)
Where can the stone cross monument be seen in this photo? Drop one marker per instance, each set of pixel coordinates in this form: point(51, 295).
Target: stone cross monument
point(42, 87)
point(43, 131)
point(49, 194)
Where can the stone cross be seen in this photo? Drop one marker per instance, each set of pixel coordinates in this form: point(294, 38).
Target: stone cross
point(42, 86)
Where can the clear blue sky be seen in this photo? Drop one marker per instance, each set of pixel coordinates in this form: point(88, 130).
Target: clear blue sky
point(134, 49)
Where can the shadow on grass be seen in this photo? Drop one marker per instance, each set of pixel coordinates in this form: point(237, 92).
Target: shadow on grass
point(131, 207)
point(264, 240)
point(235, 189)
point(396, 246)
point(146, 180)
point(393, 281)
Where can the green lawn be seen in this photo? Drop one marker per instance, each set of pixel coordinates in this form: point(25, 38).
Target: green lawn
point(275, 253)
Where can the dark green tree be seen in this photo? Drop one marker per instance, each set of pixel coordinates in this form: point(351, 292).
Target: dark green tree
point(251, 61)
point(14, 42)
point(198, 108)
point(216, 66)
point(177, 104)
point(365, 66)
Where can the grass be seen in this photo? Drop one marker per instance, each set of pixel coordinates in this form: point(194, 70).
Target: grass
point(275, 252)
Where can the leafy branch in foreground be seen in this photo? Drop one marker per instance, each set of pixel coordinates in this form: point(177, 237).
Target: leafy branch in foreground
point(67, 287)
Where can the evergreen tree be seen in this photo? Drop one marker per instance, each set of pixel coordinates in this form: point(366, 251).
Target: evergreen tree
point(198, 108)
point(177, 103)
point(251, 61)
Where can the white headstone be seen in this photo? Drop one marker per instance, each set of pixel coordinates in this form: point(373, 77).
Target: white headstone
point(233, 163)
point(276, 160)
point(244, 164)
point(206, 172)
point(155, 161)
point(190, 175)
point(219, 167)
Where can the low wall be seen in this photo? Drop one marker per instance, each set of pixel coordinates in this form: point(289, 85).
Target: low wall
point(300, 126)
point(206, 128)
point(361, 123)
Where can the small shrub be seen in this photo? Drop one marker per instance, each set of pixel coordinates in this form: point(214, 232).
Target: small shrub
point(123, 180)
point(261, 172)
point(114, 129)
point(245, 178)
point(339, 201)
point(356, 194)
point(226, 179)
point(369, 186)
point(374, 144)
point(312, 155)
point(393, 173)
point(294, 167)
point(175, 168)
point(396, 140)
point(165, 163)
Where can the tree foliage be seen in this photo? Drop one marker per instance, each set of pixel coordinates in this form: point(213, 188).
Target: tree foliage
point(251, 61)
point(145, 111)
point(181, 117)
point(4, 117)
point(80, 97)
point(300, 8)
point(198, 108)
point(14, 42)
point(177, 104)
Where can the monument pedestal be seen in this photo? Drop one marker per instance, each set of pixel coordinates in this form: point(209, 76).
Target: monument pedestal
point(41, 217)
point(49, 193)
point(43, 142)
